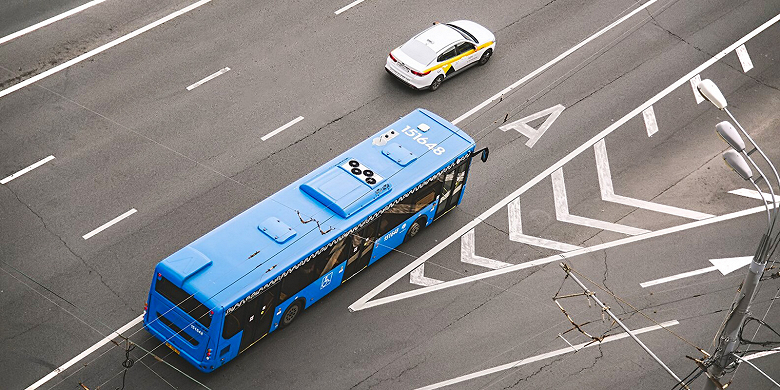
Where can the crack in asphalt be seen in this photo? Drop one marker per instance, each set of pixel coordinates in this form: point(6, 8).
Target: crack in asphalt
point(681, 39)
point(400, 374)
point(65, 244)
point(595, 361)
point(534, 373)
point(527, 15)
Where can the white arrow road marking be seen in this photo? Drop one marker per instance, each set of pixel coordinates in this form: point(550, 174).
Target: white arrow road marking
point(608, 191)
point(516, 232)
point(544, 356)
point(725, 266)
point(562, 210)
point(467, 254)
point(417, 276)
point(752, 194)
point(364, 303)
point(731, 264)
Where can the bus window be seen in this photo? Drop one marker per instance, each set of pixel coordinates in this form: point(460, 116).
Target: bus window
point(313, 270)
point(234, 322)
point(183, 300)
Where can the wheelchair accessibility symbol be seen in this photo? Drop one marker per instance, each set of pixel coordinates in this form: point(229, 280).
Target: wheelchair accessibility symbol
point(326, 280)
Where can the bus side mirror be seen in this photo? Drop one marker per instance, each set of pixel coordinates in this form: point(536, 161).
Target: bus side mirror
point(483, 154)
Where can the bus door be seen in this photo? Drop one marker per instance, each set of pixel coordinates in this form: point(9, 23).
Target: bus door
point(259, 314)
point(361, 246)
point(452, 188)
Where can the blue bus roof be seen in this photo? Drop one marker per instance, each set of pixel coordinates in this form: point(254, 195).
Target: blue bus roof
point(263, 241)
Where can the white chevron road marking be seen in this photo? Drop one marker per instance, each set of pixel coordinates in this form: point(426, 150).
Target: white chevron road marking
point(608, 191)
point(516, 232)
point(562, 210)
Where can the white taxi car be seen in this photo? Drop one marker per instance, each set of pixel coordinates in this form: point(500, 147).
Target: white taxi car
point(439, 52)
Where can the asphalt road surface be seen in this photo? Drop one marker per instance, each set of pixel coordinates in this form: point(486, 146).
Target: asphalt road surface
point(625, 185)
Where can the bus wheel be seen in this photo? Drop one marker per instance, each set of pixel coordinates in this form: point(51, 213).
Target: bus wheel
point(290, 314)
point(415, 228)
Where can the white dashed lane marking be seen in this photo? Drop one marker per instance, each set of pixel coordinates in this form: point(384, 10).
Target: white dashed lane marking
point(25, 170)
point(210, 77)
point(109, 223)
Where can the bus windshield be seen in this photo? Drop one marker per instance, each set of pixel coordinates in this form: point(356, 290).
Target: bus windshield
point(184, 301)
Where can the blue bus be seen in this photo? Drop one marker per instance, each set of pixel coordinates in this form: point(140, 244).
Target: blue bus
point(254, 274)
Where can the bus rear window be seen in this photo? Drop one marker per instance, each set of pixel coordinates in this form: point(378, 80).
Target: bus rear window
point(184, 301)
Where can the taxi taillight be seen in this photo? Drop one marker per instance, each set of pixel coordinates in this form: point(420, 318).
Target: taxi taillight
point(420, 74)
point(392, 58)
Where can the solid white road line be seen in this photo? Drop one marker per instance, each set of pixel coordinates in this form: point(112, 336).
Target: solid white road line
point(551, 63)
point(348, 6)
point(88, 351)
point(109, 223)
point(213, 75)
point(544, 356)
point(362, 303)
point(100, 49)
point(608, 190)
point(762, 354)
point(25, 170)
point(49, 21)
point(279, 130)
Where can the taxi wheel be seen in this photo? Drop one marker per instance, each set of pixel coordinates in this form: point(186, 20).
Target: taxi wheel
point(436, 83)
point(486, 57)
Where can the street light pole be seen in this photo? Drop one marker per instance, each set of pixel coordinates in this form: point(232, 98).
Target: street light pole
point(729, 340)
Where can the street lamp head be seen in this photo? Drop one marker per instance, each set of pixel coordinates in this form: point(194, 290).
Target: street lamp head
point(710, 91)
point(737, 163)
point(728, 133)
